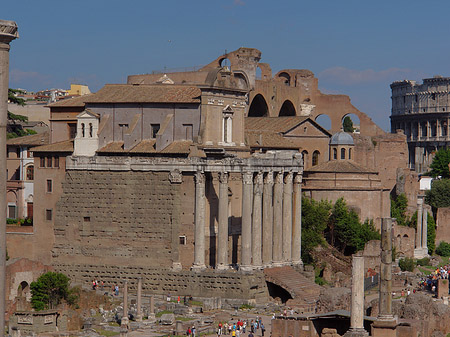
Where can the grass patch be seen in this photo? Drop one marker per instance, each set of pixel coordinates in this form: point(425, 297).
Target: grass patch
point(159, 314)
point(246, 307)
point(107, 333)
point(113, 324)
point(426, 270)
point(196, 303)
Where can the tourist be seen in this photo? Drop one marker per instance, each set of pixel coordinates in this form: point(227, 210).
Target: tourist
point(193, 331)
point(219, 330)
point(263, 329)
point(230, 327)
point(116, 290)
point(252, 327)
point(188, 331)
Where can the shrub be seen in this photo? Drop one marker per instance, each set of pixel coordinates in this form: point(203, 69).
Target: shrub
point(50, 290)
point(406, 264)
point(443, 249)
point(423, 262)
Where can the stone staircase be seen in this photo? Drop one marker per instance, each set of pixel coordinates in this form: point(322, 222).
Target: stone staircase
point(304, 292)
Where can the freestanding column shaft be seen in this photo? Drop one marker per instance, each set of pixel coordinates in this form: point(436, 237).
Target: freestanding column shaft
point(247, 181)
point(199, 246)
point(267, 220)
point(278, 220)
point(297, 222)
point(357, 313)
point(419, 222)
point(386, 270)
point(8, 32)
point(287, 218)
point(256, 225)
point(124, 321)
point(223, 222)
point(425, 231)
point(139, 300)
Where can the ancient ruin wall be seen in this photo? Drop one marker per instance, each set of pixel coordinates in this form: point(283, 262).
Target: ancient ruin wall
point(117, 218)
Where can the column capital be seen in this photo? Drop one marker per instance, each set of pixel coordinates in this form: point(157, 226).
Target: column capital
point(288, 178)
point(279, 178)
point(298, 178)
point(259, 178)
point(199, 177)
point(175, 177)
point(223, 177)
point(269, 178)
point(247, 177)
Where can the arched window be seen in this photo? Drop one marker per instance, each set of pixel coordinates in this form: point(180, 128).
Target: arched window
point(305, 158)
point(349, 153)
point(315, 158)
point(82, 130)
point(90, 130)
point(227, 125)
point(335, 154)
point(342, 153)
point(30, 172)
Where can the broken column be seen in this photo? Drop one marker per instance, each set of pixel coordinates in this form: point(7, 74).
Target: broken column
point(151, 314)
point(386, 323)
point(139, 300)
point(418, 251)
point(124, 322)
point(357, 311)
point(8, 32)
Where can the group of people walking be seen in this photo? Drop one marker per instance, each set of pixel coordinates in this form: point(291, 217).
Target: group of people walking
point(235, 329)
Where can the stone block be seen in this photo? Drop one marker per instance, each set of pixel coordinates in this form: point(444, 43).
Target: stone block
point(167, 319)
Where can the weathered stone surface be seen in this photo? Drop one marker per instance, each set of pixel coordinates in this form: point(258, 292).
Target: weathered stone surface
point(167, 319)
point(334, 299)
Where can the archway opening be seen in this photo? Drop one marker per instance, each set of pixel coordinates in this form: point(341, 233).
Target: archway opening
point(315, 158)
point(225, 63)
point(324, 121)
point(275, 291)
point(285, 78)
point(258, 107)
point(23, 289)
point(287, 109)
point(350, 123)
point(258, 73)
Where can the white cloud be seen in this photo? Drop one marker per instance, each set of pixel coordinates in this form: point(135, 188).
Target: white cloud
point(238, 2)
point(347, 76)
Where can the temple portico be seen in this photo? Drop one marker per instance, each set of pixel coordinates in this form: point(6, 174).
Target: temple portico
point(271, 220)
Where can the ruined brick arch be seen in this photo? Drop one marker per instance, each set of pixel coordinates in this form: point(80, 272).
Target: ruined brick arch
point(23, 290)
point(287, 109)
point(323, 120)
point(285, 78)
point(258, 107)
point(351, 114)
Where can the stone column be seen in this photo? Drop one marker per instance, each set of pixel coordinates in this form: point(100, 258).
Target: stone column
point(418, 252)
point(386, 271)
point(199, 245)
point(222, 244)
point(357, 309)
point(8, 32)
point(428, 130)
point(124, 322)
point(447, 129)
point(267, 220)
point(139, 300)
point(278, 220)
point(297, 222)
point(425, 232)
point(246, 238)
point(287, 218)
point(151, 314)
point(256, 224)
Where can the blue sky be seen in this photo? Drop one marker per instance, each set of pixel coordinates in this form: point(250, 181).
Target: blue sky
point(355, 48)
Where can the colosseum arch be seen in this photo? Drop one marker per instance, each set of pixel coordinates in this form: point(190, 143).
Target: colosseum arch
point(287, 109)
point(258, 107)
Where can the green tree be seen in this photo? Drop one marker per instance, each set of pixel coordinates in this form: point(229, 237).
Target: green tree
point(348, 124)
point(439, 165)
point(314, 222)
point(443, 249)
point(398, 209)
point(431, 233)
point(15, 129)
point(439, 194)
point(50, 290)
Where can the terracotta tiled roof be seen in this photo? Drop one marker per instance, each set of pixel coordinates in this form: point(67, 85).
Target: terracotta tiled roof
point(161, 93)
point(113, 147)
point(64, 146)
point(71, 102)
point(178, 147)
point(37, 139)
point(272, 124)
point(146, 146)
point(340, 166)
point(264, 139)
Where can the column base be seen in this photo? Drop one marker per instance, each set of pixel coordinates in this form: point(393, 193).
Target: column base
point(222, 267)
point(420, 253)
point(124, 322)
point(198, 267)
point(138, 318)
point(246, 268)
point(356, 332)
point(277, 264)
point(176, 266)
